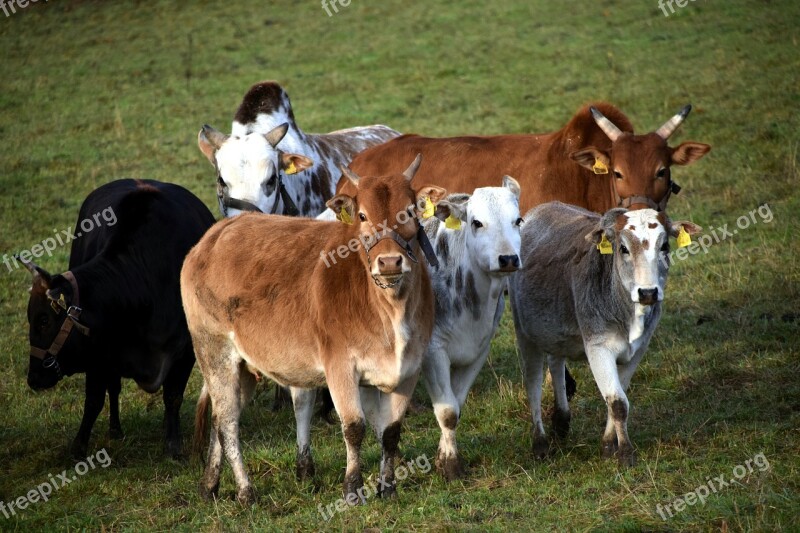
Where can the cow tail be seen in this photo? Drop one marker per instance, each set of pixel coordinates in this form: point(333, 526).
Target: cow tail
point(201, 417)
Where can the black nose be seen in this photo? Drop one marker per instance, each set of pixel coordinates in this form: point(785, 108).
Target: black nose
point(648, 296)
point(508, 262)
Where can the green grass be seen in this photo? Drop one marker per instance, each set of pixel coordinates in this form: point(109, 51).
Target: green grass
point(93, 91)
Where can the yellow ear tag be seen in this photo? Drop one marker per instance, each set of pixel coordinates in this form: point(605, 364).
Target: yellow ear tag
point(599, 167)
point(291, 169)
point(428, 212)
point(683, 238)
point(605, 246)
point(344, 216)
point(452, 222)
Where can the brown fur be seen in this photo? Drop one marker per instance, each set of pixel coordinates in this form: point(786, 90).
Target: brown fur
point(542, 163)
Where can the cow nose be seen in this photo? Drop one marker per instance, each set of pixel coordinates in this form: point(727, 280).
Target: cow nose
point(390, 265)
point(648, 296)
point(508, 263)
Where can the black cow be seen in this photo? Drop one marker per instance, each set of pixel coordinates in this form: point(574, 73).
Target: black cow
point(117, 312)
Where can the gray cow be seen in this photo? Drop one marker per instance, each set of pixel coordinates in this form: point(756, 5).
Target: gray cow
point(590, 287)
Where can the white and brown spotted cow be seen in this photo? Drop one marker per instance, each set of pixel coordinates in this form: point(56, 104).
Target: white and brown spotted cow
point(266, 145)
point(571, 300)
point(477, 247)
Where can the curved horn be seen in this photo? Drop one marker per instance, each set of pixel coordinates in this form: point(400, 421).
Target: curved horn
point(672, 124)
point(275, 135)
point(606, 125)
point(214, 137)
point(349, 174)
point(412, 169)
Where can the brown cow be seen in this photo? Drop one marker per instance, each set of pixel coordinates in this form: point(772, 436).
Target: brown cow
point(285, 310)
point(545, 164)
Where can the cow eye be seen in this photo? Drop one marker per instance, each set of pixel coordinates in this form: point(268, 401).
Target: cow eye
point(617, 174)
point(518, 222)
point(477, 224)
point(661, 174)
point(623, 249)
point(362, 217)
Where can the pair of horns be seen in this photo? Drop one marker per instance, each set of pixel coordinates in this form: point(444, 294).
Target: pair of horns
point(664, 131)
point(216, 138)
point(409, 173)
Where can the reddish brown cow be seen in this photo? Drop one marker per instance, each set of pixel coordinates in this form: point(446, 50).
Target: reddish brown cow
point(545, 164)
point(282, 309)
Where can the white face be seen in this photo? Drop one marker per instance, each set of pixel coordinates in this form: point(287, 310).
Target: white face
point(493, 223)
point(644, 267)
point(249, 167)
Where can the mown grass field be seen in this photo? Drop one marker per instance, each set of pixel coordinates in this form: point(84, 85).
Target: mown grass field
point(93, 91)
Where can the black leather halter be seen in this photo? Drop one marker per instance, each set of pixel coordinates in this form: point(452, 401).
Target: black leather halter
point(226, 202)
point(420, 236)
point(672, 188)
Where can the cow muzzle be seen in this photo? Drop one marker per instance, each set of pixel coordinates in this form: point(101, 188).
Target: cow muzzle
point(648, 296)
point(389, 269)
point(508, 263)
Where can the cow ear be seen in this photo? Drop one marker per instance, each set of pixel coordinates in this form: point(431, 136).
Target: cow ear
point(344, 207)
point(690, 227)
point(455, 205)
point(209, 140)
point(589, 157)
point(607, 225)
point(432, 192)
point(512, 185)
point(689, 152)
point(294, 163)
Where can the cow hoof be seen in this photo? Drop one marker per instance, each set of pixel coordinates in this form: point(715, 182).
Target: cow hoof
point(626, 456)
point(304, 467)
point(541, 447)
point(246, 495)
point(388, 493)
point(115, 434)
point(78, 450)
point(209, 493)
point(610, 448)
point(352, 483)
point(450, 466)
point(560, 422)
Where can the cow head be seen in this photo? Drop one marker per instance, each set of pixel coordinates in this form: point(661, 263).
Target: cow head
point(250, 169)
point(383, 216)
point(490, 218)
point(640, 164)
point(640, 243)
point(53, 314)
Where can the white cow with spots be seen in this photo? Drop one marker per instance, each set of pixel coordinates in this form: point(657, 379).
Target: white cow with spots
point(269, 164)
point(590, 287)
point(468, 284)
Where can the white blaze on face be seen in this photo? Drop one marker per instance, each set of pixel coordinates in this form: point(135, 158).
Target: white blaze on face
point(644, 237)
point(248, 165)
point(496, 211)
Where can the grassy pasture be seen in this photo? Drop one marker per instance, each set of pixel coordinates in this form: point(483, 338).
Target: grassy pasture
point(93, 91)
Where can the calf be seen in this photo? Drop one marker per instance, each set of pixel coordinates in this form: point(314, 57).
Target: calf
point(266, 144)
point(477, 247)
point(116, 313)
point(591, 287)
point(283, 310)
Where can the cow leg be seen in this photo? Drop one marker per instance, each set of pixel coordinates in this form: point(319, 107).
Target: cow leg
point(303, 401)
point(393, 410)
point(114, 425)
point(92, 405)
point(561, 415)
point(343, 384)
point(533, 374)
point(615, 438)
point(446, 407)
point(172, 393)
